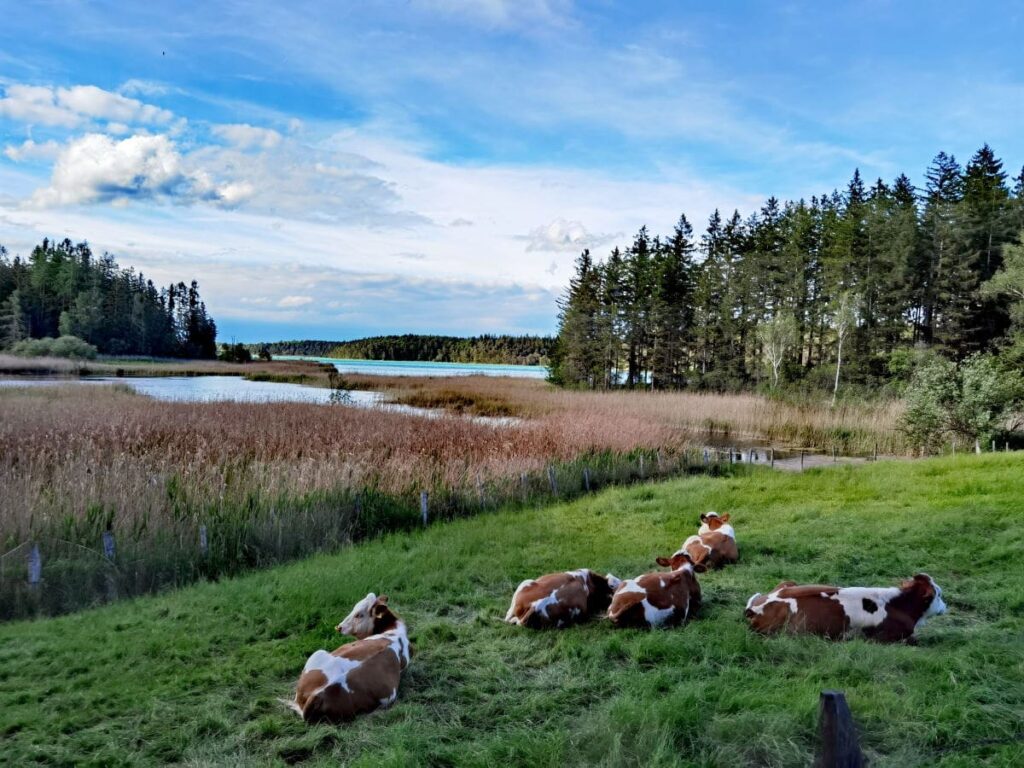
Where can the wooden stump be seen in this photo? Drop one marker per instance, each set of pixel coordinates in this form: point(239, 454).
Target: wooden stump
point(838, 746)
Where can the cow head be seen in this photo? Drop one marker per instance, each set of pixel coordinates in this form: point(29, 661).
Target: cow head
point(712, 521)
point(679, 560)
point(929, 592)
point(370, 616)
point(602, 589)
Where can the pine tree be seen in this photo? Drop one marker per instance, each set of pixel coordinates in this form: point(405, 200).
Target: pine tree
point(581, 353)
point(673, 308)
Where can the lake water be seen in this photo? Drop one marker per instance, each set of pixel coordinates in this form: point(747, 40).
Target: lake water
point(213, 389)
point(420, 368)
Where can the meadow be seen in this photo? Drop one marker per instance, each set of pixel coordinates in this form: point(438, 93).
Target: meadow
point(194, 677)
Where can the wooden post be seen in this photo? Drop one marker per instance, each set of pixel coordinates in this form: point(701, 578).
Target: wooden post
point(204, 542)
point(705, 455)
point(771, 454)
point(552, 481)
point(586, 479)
point(641, 466)
point(977, 446)
point(954, 446)
point(801, 459)
point(838, 746)
point(732, 455)
point(424, 506)
point(993, 445)
point(34, 561)
point(875, 456)
point(522, 484)
point(660, 466)
point(835, 455)
point(109, 546)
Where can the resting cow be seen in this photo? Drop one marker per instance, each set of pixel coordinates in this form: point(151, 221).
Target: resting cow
point(560, 599)
point(359, 676)
point(658, 599)
point(715, 542)
point(886, 614)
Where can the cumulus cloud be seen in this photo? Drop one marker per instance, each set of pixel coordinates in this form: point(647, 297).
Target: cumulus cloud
point(31, 150)
point(97, 168)
point(71, 107)
point(562, 235)
point(245, 136)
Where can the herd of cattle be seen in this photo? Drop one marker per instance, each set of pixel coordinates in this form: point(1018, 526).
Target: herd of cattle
point(363, 675)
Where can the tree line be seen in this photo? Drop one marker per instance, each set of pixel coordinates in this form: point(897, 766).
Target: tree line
point(801, 293)
point(63, 290)
point(505, 349)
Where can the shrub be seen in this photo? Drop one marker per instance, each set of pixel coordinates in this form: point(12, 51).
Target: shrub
point(66, 346)
point(970, 401)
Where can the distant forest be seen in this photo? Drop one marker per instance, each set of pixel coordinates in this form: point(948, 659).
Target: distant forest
point(63, 289)
point(852, 283)
point(508, 350)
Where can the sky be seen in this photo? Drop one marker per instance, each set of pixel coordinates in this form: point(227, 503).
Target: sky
point(335, 170)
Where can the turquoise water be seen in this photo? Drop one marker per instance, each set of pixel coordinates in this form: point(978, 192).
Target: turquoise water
point(419, 368)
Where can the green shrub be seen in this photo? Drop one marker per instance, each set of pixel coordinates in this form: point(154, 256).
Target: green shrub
point(65, 346)
point(970, 401)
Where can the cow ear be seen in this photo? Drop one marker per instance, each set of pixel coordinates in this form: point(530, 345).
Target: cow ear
point(924, 581)
point(664, 562)
point(703, 517)
point(724, 518)
point(379, 610)
point(699, 568)
point(382, 599)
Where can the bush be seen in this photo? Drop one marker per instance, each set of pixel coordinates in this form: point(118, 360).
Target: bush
point(970, 401)
point(66, 346)
point(235, 353)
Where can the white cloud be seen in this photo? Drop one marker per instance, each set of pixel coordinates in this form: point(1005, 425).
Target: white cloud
point(562, 235)
point(245, 136)
point(292, 302)
point(71, 107)
point(503, 13)
point(31, 150)
point(97, 168)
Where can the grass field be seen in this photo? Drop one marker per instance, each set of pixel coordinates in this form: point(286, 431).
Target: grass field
point(193, 677)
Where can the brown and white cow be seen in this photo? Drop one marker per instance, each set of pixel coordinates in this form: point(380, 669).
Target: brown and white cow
point(715, 542)
point(886, 614)
point(560, 599)
point(360, 676)
point(658, 599)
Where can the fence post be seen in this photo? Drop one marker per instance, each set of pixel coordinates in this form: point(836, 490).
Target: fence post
point(977, 446)
point(641, 466)
point(660, 467)
point(586, 479)
point(204, 542)
point(771, 454)
point(522, 485)
point(993, 446)
point(835, 455)
point(706, 456)
point(801, 459)
point(838, 746)
point(552, 481)
point(109, 546)
point(875, 455)
point(732, 455)
point(954, 446)
point(424, 501)
point(34, 561)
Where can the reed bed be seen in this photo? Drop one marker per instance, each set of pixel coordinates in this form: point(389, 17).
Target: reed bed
point(265, 482)
point(194, 490)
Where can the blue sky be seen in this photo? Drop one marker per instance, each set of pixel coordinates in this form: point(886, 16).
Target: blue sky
point(436, 165)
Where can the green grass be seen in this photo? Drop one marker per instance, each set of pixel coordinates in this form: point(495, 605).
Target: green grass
point(193, 677)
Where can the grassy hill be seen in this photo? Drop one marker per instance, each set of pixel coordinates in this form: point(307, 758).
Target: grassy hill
point(194, 676)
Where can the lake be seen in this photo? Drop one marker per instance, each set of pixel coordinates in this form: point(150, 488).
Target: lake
point(424, 368)
point(213, 389)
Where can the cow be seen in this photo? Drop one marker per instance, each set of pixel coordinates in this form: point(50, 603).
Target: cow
point(360, 676)
point(658, 599)
point(885, 614)
point(560, 599)
point(715, 542)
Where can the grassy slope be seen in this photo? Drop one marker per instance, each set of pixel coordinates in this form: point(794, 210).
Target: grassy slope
point(193, 676)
